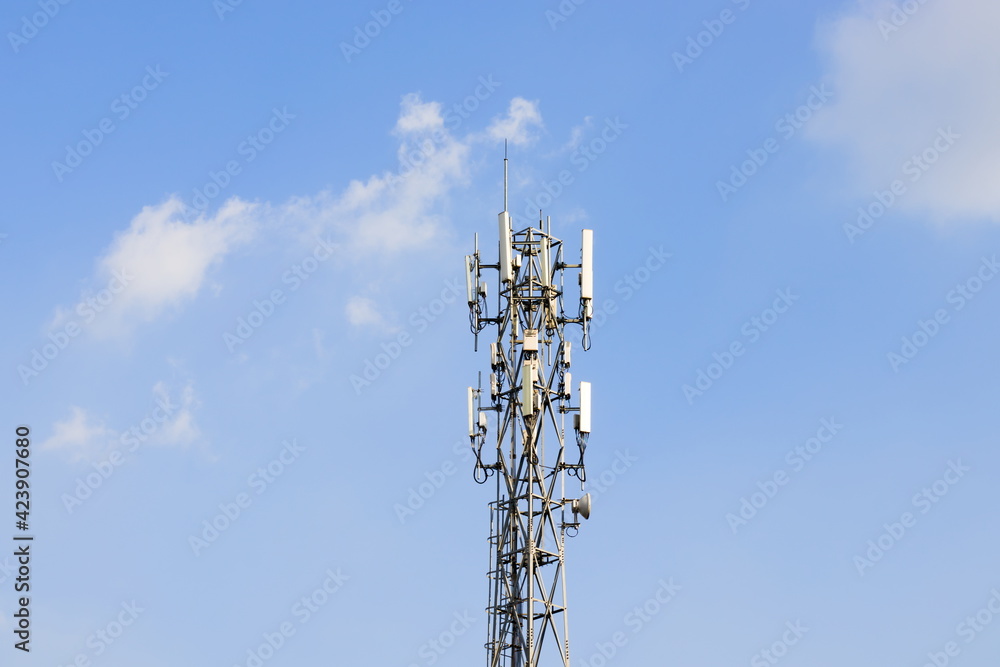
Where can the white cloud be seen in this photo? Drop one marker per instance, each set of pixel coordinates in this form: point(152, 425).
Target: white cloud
point(180, 427)
point(401, 211)
point(418, 116)
point(897, 80)
point(170, 422)
point(166, 261)
point(576, 134)
point(319, 346)
point(362, 311)
point(516, 126)
point(573, 216)
point(157, 263)
point(169, 257)
point(396, 211)
point(78, 437)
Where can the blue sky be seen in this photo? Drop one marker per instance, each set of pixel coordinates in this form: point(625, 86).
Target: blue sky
point(220, 215)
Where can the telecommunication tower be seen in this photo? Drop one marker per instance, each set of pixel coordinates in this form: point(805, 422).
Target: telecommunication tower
point(530, 396)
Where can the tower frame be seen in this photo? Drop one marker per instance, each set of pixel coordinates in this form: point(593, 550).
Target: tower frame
point(530, 396)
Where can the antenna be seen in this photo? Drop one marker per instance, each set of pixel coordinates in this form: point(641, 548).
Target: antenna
point(528, 389)
point(586, 284)
point(584, 407)
point(472, 409)
point(505, 174)
point(545, 266)
point(470, 279)
point(532, 455)
point(506, 261)
point(587, 265)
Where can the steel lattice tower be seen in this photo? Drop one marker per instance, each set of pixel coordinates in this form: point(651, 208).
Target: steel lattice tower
point(530, 393)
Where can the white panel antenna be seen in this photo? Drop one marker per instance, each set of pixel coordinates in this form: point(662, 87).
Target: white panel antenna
point(545, 265)
point(528, 389)
point(472, 411)
point(584, 426)
point(470, 279)
point(506, 261)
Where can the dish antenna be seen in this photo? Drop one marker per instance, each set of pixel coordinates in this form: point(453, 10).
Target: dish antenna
point(582, 506)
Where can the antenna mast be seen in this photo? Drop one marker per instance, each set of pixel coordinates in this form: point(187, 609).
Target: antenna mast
point(505, 174)
point(529, 398)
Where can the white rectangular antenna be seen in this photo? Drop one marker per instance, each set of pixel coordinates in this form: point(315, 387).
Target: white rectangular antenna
point(544, 261)
point(472, 409)
point(567, 347)
point(494, 356)
point(587, 265)
point(470, 270)
point(506, 272)
point(494, 389)
point(584, 426)
point(568, 386)
point(528, 389)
